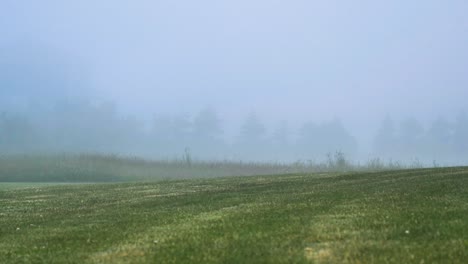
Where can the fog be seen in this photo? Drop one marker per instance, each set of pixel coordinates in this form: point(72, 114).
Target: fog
point(246, 80)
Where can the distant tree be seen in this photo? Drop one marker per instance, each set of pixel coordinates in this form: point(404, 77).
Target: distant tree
point(440, 131)
point(130, 136)
point(17, 134)
point(438, 141)
point(207, 134)
point(171, 135)
point(161, 129)
point(253, 130)
point(252, 142)
point(340, 138)
point(308, 142)
point(3, 136)
point(411, 131)
point(176, 128)
point(410, 139)
point(181, 129)
point(103, 127)
point(207, 125)
point(329, 137)
point(79, 126)
point(385, 140)
point(460, 136)
point(280, 143)
point(69, 131)
point(281, 134)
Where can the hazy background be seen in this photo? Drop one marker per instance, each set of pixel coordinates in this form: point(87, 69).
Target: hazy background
point(269, 80)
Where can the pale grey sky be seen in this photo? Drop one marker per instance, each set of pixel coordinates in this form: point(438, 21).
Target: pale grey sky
point(294, 60)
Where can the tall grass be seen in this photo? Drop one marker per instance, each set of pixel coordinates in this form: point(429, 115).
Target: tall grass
point(114, 168)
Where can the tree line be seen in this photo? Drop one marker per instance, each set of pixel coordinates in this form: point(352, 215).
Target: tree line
point(442, 141)
point(83, 127)
point(86, 127)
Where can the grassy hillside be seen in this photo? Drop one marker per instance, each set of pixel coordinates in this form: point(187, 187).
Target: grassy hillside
point(412, 216)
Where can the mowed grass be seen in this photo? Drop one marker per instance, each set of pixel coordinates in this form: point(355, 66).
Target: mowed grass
point(21, 185)
point(412, 216)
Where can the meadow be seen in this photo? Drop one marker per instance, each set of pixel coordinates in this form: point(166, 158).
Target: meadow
point(398, 216)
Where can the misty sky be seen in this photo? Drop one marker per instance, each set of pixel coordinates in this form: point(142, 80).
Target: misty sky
point(294, 60)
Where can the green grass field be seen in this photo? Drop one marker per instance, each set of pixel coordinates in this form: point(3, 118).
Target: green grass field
point(408, 216)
